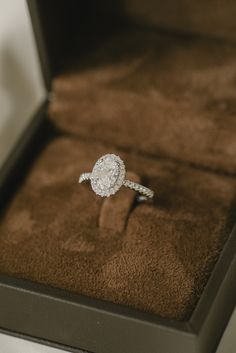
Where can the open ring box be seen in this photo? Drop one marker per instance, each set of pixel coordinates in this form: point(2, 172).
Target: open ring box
point(132, 79)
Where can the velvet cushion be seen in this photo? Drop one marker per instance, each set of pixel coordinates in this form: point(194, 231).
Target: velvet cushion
point(206, 17)
point(158, 94)
point(159, 263)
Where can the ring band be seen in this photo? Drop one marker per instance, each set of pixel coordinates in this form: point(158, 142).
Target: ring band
point(108, 175)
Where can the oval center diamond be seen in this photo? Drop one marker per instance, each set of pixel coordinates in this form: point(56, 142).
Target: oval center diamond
point(107, 175)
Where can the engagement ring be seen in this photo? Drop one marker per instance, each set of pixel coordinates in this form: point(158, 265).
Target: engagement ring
point(108, 175)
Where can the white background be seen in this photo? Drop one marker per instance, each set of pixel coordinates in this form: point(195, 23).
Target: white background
point(15, 345)
point(21, 87)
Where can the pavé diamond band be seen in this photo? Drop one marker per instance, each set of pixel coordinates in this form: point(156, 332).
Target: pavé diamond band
point(108, 175)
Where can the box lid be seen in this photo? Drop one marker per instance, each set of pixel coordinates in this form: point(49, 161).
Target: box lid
point(76, 27)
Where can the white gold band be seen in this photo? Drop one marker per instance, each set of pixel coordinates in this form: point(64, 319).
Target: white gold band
point(108, 175)
point(84, 177)
point(143, 190)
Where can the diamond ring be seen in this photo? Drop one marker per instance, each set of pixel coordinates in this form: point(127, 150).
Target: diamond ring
point(108, 175)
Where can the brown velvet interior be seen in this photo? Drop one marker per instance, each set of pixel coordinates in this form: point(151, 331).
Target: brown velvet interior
point(159, 263)
point(166, 105)
point(210, 18)
point(115, 211)
point(157, 94)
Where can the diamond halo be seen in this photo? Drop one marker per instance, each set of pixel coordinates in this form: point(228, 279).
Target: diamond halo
point(108, 175)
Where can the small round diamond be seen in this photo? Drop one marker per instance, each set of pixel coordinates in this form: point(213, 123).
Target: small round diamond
point(108, 175)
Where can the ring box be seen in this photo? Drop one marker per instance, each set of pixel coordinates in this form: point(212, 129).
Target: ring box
point(77, 322)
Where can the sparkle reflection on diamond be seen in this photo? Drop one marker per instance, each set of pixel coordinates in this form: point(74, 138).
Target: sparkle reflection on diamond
point(107, 175)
